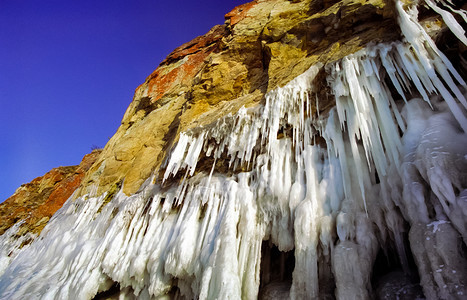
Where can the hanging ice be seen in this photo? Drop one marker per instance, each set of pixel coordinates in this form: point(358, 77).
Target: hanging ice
point(393, 157)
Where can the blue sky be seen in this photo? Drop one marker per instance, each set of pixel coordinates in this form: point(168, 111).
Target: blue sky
point(68, 71)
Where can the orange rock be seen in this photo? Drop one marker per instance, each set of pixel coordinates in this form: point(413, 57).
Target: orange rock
point(197, 44)
point(194, 52)
point(160, 84)
point(262, 45)
point(239, 13)
point(37, 201)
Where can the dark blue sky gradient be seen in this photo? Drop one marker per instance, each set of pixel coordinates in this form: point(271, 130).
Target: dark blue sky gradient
point(68, 71)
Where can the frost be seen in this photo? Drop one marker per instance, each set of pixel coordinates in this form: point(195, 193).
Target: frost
point(333, 188)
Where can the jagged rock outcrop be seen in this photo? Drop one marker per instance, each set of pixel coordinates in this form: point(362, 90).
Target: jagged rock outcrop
point(34, 203)
point(303, 149)
point(261, 46)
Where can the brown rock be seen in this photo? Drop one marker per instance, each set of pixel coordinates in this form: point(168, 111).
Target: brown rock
point(37, 201)
point(239, 13)
point(262, 45)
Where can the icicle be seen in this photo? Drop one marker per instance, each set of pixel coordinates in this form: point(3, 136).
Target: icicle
point(415, 34)
point(450, 21)
point(329, 204)
point(177, 155)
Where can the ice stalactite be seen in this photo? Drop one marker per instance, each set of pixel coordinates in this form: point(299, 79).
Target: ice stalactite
point(449, 19)
point(385, 168)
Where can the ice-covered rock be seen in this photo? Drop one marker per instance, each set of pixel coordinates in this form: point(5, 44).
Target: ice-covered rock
point(279, 201)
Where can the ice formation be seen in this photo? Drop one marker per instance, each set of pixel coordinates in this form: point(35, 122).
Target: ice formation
point(334, 189)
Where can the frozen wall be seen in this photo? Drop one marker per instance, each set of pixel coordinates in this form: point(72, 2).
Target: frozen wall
point(385, 169)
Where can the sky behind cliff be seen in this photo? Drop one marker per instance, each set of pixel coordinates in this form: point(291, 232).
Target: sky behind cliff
point(68, 71)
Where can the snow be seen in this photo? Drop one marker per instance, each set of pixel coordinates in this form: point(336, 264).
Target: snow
point(388, 159)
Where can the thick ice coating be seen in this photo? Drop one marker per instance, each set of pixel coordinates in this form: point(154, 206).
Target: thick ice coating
point(386, 168)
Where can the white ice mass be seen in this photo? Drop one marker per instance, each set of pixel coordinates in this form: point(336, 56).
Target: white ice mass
point(386, 168)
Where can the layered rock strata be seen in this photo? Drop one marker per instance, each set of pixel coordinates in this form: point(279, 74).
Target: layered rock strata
point(304, 150)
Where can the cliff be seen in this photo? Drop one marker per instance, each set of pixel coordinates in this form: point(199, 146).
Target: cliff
point(34, 203)
point(303, 149)
point(261, 46)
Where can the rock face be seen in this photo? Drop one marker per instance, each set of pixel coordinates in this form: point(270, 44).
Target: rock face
point(261, 46)
point(303, 149)
point(36, 202)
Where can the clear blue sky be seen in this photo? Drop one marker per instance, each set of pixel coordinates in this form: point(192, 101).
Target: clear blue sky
point(68, 71)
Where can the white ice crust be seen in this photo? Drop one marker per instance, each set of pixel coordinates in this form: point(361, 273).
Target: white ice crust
point(391, 152)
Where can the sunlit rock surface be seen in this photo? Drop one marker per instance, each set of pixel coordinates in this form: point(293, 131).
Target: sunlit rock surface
point(261, 46)
point(37, 201)
point(303, 150)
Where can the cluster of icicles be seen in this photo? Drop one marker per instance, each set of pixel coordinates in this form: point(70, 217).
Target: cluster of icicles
point(384, 167)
